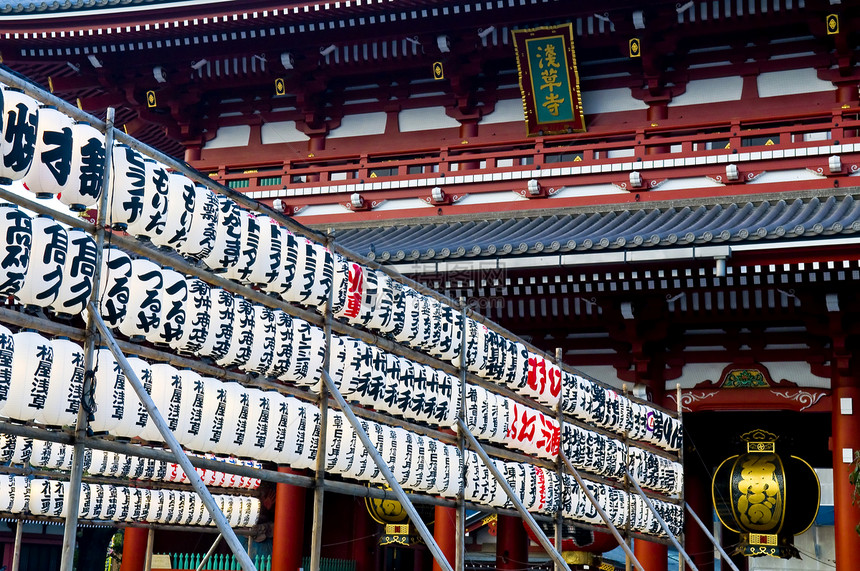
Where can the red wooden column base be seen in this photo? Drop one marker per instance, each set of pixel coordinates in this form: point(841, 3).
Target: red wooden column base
point(288, 531)
point(134, 548)
point(652, 556)
point(512, 544)
point(846, 437)
point(445, 534)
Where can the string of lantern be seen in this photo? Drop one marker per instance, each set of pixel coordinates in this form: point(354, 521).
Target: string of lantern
point(232, 330)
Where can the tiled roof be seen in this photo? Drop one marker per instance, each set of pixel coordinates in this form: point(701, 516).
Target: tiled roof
point(781, 219)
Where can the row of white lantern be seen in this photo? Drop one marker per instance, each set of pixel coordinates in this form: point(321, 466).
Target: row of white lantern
point(106, 502)
point(535, 487)
point(605, 456)
point(390, 383)
point(592, 403)
point(57, 456)
point(44, 264)
point(49, 152)
point(621, 507)
point(419, 463)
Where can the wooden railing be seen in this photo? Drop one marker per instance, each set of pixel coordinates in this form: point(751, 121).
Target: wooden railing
point(605, 147)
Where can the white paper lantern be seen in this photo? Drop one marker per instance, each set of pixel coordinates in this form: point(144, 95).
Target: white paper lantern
point(135, 417)
point(20, 494)
point(369, 298)
point(180, 209)
point(153, 210)
point(80, 266)
point(262, 352)
point(128, 186)
point(173, 304)
point(167, 394)
point(282, 412)
point(198, 317)
point(17, 234)
point(47, 259)
point(306, 440)
point(32, 362)
point(219, 320)
point(143, 313)
point(283, 351)
point(19, 125)
point(242, 337)
point(200, 412)
point(308, 355)
point(266, 266)
point(51, 168)
point(109, 394)
point(40, 497)
point(230, 427)
point(86, 178)
point(7, 351)
point(115, 279)
point(348, 289)
point(66, 382)
point(7, 483)
point(227, 245)
point(313, 279)
point(204, 220)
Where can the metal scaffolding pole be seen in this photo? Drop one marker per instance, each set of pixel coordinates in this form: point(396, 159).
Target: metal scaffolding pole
point(603, 515)
point(16, 550)
point(713, 539)
point(209, 553)
point(460, 519)
point(319, 479)
point(67, 559)
point(179, 454)
point(389, 476)
point(661, 521)
point(524, 513)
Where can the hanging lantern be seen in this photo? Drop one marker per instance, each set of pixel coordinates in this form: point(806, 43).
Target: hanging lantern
point(283, 351)
point(135, 417)
point(47, 260)
point(266, 265)
point(153, 203)
point(219, 318)
point(109, 393)
point(198, 318)
point(313, 278)
point(225, 249)
point(115, 279)
point(172, 398)
point(242, 338)
point(200, 391)
point(78, 272)
point(32, 361)
point(173, 303)
point(308, 355)
point(263, 349)
point(66, 382)
point(143, 313)
point(86, 178)
point(19, 125)
point(230, 425)
point(17, 233)
point(125, 202)
point(766, 497)
point(180, 208)
point(50, 172)
point(204, 223)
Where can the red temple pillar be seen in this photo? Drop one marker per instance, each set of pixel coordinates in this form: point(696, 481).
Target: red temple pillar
point(445, 534)
point(512, 544)
point(134, 548)
point(697, 493)
point(364, 547)
point(652, 556)
point(845, 441)
point(288, 531)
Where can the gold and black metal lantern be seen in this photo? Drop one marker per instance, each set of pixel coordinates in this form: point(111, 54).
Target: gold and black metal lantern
point(766, 498)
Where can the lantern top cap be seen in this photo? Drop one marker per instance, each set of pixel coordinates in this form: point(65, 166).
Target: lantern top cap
point(759, 435)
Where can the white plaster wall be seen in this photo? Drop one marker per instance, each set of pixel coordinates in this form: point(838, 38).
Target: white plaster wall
point(791, 82)
point(233, 136)
point(281, 132)
point(360, 125)
point(425, 119)
point(716, 90)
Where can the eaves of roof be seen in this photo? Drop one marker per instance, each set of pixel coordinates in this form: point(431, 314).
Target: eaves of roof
point(788, 219)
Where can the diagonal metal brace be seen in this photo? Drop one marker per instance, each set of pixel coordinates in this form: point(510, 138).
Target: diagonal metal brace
point(389, 476)
point(713, 539)
point(530, 521)
point(181, 459)
point(601, 512)
point(662, 522)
